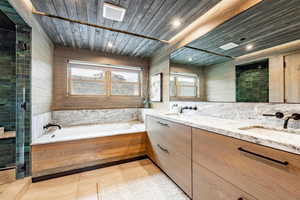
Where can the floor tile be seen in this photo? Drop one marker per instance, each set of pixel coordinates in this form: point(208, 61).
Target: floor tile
point(139, 180)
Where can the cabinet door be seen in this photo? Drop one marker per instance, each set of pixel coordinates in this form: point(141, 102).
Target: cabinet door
point(263, 172)
point(208, 186)
point(170, 148)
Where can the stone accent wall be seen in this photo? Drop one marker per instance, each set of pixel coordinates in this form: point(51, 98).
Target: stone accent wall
point(249, 112)
point(80, 117)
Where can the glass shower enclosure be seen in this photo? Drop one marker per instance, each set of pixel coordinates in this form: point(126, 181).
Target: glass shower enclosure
point(15, 92)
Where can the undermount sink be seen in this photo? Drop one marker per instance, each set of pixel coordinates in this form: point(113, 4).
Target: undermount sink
point(172, 114)
point(266, 130)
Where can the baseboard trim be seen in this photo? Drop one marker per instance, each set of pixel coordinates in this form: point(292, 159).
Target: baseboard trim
point(90, 168)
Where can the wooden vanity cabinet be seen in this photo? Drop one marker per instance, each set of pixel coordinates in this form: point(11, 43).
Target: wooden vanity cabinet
point(209, 186)
point(210, 166)
point(170, 148)
point(262, 172)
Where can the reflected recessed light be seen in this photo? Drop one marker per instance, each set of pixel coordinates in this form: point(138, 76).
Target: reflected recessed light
point(176, 23)
point(190, 59)
point(110, 44)
point(249, 47)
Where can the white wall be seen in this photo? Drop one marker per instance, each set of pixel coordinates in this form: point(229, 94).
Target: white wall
point(220, 82)
point(161, 65)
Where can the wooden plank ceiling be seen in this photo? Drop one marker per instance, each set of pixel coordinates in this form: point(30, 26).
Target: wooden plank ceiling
point(267, 24)
point(193, 57)
point(147, 17)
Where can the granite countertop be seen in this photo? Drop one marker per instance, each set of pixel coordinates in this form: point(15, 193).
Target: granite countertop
point(289, 142)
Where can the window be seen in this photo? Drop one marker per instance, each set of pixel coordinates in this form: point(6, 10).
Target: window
point(95, 80)
point(87, 81)
point(184, 85)
point(125, 83)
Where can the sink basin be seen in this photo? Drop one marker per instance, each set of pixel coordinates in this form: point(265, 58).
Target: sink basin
point(268, 130)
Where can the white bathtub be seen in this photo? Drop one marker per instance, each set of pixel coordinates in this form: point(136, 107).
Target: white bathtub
point(90, 131)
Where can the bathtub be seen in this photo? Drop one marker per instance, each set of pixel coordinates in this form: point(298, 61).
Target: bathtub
point(85, 146)
point(90, 131)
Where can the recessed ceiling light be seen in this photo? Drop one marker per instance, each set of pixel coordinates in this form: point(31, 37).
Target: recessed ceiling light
point(249, 47)
point(113, 12)
point(228, 46)
point(110, 45)
point(176, 23)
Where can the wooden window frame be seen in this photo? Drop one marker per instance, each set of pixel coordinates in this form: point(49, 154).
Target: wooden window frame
point(139, 83)
point(108, 81)
point(178, 86)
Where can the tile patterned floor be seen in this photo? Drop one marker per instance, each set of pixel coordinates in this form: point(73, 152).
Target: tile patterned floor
point(140, 180)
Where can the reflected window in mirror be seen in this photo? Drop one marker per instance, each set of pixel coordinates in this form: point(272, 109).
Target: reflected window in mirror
point(184, 85)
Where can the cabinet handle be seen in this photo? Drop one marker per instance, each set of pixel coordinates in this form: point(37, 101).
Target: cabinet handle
point(285, 163)
point(163, 124)
point(163, 149)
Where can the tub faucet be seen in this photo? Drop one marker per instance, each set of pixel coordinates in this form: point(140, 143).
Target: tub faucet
point(52, 125)
point(294, 116)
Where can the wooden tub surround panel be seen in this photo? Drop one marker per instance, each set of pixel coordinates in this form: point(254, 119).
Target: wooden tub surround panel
point(64, 156)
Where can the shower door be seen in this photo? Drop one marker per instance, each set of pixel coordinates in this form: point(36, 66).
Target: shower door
point(23, 101)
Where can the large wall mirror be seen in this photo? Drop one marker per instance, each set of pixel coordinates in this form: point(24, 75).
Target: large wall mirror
point(243, 60)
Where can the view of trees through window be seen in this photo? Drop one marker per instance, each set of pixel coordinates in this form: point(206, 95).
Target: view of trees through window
point(91, 80)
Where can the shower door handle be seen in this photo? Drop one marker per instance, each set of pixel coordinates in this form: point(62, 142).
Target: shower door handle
point(24, 106)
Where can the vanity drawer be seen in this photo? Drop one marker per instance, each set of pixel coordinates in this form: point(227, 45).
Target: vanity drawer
point(176, 166)
point(170, 148)
point(176, 137)
point(258, 170)
point(209, 186)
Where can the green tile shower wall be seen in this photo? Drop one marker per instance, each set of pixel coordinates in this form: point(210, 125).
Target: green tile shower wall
point(7, 152)
point(7, 94)
point(22, 91)
point(252, 82)
point(8, 79)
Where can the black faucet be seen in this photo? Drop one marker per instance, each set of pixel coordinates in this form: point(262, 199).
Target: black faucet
point(52, 125)
point(187, 108)
point(294, 116)
point(278, 115)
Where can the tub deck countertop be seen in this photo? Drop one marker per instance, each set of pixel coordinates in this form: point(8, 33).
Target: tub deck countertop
point(80, 132)
point(8, 134)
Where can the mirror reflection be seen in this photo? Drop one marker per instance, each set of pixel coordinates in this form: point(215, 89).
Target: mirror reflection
point(239, 63)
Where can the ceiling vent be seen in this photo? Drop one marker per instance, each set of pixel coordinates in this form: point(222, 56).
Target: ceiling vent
point(228, 46)
point(113, 12)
